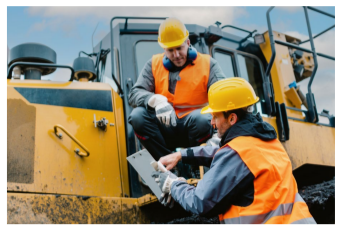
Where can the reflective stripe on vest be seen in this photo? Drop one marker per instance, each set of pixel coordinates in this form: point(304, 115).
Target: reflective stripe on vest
point(282, 210)
point(191, 91)
point(276, 199)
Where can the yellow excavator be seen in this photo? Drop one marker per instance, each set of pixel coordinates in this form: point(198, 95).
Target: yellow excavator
point(67, 142)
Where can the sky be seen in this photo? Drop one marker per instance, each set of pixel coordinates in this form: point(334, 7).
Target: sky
point(68, 30)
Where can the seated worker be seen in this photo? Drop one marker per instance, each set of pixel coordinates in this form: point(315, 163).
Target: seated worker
point(170, 92)
point(250, 179)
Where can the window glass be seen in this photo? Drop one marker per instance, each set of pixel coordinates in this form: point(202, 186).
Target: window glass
point(225, 61)
point(106, 69)
point(144, 51)
point(250, 70)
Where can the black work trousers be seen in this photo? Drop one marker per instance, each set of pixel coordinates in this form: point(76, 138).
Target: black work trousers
point(191, 130)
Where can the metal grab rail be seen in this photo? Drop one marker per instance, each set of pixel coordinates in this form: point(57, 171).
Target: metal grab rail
point(240, 29)
point(321, 33)
point(77, 151)
point(112, 40)
point(303, 49)
point(44, 65)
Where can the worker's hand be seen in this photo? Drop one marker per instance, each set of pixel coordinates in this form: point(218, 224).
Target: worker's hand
point(167, 200)
point(164, 111)
point(164, 180)
point(171, 160)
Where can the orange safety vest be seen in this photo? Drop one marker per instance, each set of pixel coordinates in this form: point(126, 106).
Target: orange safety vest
point(191, 90)
point(276, 198)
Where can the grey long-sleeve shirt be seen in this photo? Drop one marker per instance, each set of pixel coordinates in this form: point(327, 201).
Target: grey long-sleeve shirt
point(228, 182)
point(144, 87)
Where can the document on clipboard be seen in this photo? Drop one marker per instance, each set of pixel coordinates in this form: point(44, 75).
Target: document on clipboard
point(144, 163)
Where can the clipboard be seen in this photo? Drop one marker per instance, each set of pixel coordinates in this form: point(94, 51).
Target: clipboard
point(142, 163)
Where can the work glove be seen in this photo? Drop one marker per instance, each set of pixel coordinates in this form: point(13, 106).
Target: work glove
point(164, 181)
point(164, 111)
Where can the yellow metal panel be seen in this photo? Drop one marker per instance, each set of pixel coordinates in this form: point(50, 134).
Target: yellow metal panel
point(309, 143)
point(146, 199)
point(121, 142)
point(23, 208)
point(293, 96)
point(131, 213)
point(27, 208)
point(281, 72)
point(57, 169)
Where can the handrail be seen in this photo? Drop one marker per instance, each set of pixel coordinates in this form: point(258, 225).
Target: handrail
point(112, 39)
point(321, 33)
point(303, 49)
point(295, 109)
point(313, 49)
point(272, 43)
point(241, 29)
point(234, 27)
point(44, 65)
point(320, 11)
point(59, 135)
point(312, 110)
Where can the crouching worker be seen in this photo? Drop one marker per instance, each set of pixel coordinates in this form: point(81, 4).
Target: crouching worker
point(250, 178)
point(170, 92)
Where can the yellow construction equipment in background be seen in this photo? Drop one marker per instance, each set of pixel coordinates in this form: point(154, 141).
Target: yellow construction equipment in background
point(67, 142)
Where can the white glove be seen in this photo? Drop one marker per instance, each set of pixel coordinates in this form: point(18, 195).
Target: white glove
point(164, 111)
point(164, 180)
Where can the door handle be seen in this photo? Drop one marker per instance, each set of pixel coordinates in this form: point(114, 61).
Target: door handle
point(77, 151)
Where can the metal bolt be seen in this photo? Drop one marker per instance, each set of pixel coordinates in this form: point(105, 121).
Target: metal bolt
point(111, 124)
point(77, 150)
point(60, 135)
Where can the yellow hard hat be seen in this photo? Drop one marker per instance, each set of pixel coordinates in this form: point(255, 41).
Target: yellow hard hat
point(230, 94)
point(172, 33)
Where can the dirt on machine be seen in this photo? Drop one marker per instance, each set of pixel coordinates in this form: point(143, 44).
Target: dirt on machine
point(68, 141)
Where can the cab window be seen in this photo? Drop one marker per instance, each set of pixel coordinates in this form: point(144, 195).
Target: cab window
point(245, 66)
point(144, 51)
point(250, 70)
point(225, 60)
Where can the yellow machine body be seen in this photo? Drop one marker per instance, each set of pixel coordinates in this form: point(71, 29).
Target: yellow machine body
point(309, 143)
point(304, 147)
point(48, 164)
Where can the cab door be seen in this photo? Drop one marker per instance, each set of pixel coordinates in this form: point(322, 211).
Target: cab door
point(236, 63)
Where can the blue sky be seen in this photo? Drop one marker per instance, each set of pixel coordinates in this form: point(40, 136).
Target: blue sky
point(68, 30)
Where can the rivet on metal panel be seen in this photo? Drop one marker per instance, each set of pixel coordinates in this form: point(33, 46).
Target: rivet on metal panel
point(111, 124)
point(77, 150)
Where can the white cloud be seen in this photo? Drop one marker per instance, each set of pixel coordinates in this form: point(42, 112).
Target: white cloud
point(291, 9)
point(59, 75)
point(68, 28)
point(198, 15)
point(38, 26)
